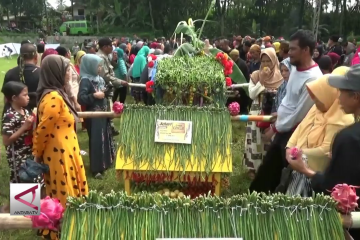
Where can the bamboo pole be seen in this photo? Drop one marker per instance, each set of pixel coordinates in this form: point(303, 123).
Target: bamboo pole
point(137, 85)
point(252, 118)
point(240, 85)
point(241, 118)
point(98, 115)
point(14, 222)
point(8, 221)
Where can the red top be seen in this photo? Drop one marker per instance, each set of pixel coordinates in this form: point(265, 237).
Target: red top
point(132, 58)
point(77, 68)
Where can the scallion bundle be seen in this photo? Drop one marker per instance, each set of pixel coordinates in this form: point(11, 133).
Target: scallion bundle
point(149, 216)
point(211, 137)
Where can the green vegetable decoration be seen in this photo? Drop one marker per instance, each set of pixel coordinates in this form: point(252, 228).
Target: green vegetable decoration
point(249, 216)
point(196, 46)
point(211, 137)
point(189, 81)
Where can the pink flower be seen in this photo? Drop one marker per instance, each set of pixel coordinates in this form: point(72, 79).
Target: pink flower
point(234, 108)
point(295, 153)
point(118, 107)
point(345, 196)
point(51, 213)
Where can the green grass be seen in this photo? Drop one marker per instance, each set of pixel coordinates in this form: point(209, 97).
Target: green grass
point(238, 181)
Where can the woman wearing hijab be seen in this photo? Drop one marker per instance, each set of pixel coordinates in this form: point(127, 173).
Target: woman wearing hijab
point(335, 59)
point(262, 89)
point(49, 51)
point(133, 52)
point(277, 50)
point(91, 95)
point(55, 142)
point(120, 73)
point(254, 51)
point(285, 69)
point(136, 70)
point(318, 53)
point(77, 60)
point(316, 132)
point(349, 54)
point(126, 52)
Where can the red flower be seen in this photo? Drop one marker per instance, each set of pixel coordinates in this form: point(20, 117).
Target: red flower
point(229, 64)
point(151, 64)
point(228, 81)
point(219, 55)
point(149, 85)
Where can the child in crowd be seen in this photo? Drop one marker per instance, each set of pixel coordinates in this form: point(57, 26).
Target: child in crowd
point(285, 68)
point(16, 127)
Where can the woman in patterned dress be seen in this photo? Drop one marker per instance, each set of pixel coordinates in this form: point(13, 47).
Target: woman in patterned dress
point(262, 89)
point(16, 127)
point(55, 142)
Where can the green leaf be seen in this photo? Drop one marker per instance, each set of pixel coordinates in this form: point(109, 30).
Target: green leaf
point(185, 49)
point(187, 30)
point(237, 75)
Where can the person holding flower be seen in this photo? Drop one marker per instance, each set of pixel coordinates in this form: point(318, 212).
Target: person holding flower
point(262, 89)
point(344, 165)
point(315, 133)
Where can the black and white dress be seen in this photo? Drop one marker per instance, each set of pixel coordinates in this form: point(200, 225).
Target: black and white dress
point(299, 183)
point(21, 150)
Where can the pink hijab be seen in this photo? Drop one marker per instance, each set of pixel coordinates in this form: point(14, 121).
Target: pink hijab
point(49, 51)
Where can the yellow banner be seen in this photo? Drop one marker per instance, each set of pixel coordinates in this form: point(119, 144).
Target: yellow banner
point(173, 131)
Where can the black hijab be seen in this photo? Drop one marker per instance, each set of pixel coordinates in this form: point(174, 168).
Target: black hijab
point(321, 52)
point(52, 78)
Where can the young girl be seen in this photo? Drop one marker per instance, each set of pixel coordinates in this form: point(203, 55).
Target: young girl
point(16, 127)
point(91, 95)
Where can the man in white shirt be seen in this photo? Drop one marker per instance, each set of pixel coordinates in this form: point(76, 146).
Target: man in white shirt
point(291, 112)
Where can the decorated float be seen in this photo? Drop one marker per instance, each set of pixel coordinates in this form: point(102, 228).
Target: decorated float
point(173, 157)
point(182, 144)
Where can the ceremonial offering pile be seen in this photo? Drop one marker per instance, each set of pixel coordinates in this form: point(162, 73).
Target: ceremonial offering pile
point(187, 134)
point(191, 81)
point(149, 216)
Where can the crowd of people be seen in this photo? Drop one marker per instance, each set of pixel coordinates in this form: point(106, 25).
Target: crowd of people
point(290, 80)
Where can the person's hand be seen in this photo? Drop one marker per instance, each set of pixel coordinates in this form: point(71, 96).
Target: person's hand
point(28, 123)
point(329, 155)
point(273, 117)
point(99, 95)
point(77, 107)
point(287, 154)
point(124, 83)
point(39, 159)
point(298, 164)
point(268, 134)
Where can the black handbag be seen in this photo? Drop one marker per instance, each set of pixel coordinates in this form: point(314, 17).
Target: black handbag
point(29, 170)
